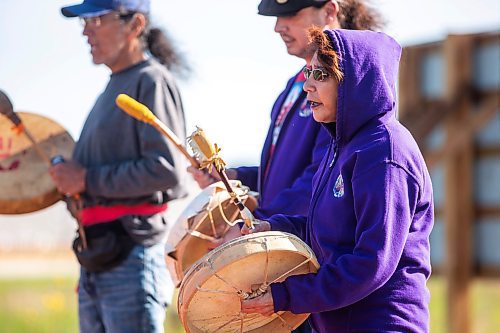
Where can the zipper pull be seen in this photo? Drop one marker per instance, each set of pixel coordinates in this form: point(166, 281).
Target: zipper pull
point(332, 163)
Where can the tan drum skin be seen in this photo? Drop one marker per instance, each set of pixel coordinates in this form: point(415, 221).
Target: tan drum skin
point(25, 183)
point(209, 297)
point(189, 237)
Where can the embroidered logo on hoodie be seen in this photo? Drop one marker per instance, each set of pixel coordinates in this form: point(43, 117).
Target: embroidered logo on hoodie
point(338, 189)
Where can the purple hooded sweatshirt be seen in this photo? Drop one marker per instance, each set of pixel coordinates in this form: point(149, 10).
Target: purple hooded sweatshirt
point(371, 212)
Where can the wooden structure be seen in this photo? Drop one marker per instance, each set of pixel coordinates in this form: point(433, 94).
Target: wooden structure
point(449, 98)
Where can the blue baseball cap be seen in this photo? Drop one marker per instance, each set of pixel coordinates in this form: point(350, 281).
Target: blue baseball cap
point(89, 8)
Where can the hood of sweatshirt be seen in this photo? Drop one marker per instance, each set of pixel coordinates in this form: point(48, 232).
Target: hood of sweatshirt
point(369, 61)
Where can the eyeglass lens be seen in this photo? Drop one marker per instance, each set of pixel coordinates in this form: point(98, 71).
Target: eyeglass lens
point(91, 21)
point(317, 73)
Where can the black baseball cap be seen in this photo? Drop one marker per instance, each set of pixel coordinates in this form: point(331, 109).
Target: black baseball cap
point(286, 7)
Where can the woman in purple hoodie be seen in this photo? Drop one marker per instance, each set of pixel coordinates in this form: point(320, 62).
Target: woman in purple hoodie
point(371, 212)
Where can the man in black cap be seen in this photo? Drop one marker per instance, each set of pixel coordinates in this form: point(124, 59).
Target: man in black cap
point(287, 7)
point(295, 143)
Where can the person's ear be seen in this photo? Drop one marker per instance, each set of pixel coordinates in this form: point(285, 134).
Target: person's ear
point(332, 9)
point(138, 24)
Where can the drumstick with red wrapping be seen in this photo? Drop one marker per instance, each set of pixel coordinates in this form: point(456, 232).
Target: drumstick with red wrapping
point(141, 112)
point(208, 155)
point(7, 109)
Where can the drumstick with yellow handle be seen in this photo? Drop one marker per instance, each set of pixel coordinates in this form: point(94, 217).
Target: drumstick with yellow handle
point(208, 155)
point(141, 112)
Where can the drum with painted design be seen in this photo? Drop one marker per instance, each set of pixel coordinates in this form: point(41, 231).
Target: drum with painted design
point(24, 179)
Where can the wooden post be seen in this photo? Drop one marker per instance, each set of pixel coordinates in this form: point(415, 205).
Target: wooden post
point(409, 96)
point(459, 199)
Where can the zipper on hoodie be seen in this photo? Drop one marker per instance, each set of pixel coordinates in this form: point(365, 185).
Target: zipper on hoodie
point(320, 186)
point(335, 153)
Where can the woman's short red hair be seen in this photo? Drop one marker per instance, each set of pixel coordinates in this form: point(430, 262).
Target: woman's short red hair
point(321, 44)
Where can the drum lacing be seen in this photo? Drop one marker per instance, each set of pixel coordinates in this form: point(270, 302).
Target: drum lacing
point(229, 322)
point(198, 234)
point(263, 287)
point(284, 322)
point(221, 210)
point(258, 292)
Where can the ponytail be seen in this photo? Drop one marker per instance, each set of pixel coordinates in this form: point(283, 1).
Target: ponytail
point(162, 48)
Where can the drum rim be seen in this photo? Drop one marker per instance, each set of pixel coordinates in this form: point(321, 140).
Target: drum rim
point(247, 238)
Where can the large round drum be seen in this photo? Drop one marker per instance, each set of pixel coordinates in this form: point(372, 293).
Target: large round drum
point(24, 179)
point(211, 292)
point(208, 217)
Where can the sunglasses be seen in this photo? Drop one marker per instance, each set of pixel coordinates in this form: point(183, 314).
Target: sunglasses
point(318, 74)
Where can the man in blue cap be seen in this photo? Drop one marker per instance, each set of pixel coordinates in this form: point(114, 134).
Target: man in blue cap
point(124, 171)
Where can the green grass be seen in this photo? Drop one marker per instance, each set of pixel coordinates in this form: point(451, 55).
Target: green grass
point(45, 305)
point(49, 305)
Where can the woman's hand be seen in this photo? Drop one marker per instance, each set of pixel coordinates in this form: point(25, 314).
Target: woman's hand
point(232, 233)
point(259, 226)
point(262, 304)
point(204, 179)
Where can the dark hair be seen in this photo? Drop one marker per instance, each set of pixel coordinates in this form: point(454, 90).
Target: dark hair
point(322, 45)
point(357, 15)
point(161, 47)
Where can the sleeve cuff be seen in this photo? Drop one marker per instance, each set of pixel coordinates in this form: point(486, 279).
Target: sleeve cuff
point(281, 298)
point(279, 224)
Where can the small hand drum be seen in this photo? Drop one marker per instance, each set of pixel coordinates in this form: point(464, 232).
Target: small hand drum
point(208, 217)
point(24, 178)
point(211, 292)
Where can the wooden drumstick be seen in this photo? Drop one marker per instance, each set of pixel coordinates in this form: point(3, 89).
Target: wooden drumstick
point(208, 155)
point(7, 110)
point(141, 112)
